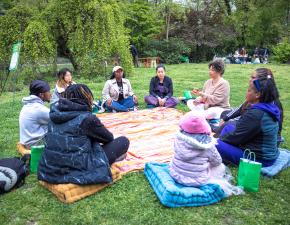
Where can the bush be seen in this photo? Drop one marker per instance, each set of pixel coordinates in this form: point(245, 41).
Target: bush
point(169, 51)
point(282, 52)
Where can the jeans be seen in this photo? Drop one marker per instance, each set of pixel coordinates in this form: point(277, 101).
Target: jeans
point(231, 153)
point(123, 105)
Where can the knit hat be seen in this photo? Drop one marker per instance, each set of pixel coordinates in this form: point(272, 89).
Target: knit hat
point(194, 123)
point(38, 86)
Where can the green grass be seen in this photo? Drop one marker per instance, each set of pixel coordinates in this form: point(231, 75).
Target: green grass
point(131, 200)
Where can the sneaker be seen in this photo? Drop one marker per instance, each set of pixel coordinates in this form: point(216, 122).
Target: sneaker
point(135, 108)
point(96, 103)
point(114, 111)
point(102, 109)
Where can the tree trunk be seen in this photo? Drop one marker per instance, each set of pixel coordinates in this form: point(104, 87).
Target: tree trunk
point(63, 50)
point(73, 61)
point(288, 15)
point(167, 26)
point(228, 6)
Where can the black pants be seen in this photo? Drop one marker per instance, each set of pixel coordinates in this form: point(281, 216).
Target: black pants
point(116, 148)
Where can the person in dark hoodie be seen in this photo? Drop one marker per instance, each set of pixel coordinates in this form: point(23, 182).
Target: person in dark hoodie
point(257, 127)
point(78, 148)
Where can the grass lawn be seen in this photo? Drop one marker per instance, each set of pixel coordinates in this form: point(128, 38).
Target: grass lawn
point(131, 200)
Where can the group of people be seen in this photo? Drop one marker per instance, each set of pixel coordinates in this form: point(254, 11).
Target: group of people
point(79, 149)
point(241, 56)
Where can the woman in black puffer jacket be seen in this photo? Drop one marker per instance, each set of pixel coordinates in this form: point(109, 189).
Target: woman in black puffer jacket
point(78, 149)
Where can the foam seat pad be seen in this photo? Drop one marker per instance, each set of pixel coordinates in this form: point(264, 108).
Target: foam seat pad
point(22, 150)
point(281, 163)
point(172, 194)
point(69, 193)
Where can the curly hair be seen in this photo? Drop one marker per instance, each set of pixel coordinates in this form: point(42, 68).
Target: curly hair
point(218, 66)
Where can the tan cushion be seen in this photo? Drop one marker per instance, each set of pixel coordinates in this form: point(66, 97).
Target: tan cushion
point(69, 193)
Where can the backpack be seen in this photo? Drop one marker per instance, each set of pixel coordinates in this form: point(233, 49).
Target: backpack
point(13, 172)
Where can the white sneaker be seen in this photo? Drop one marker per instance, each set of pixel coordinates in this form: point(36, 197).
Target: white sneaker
point(102, 109)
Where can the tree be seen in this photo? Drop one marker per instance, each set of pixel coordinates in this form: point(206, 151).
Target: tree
point(5, 5)
point(172, 13)
point(204, 28)
point(259, 22)
point(12, 27)
point(39, 47)
point(143, 21)
point(87, 32)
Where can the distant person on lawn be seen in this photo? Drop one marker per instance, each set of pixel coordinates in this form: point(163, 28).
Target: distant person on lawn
point(64, 80)
point(134, 54)
point(161, 90)
point(79, 149)
point(214, 98)
point(118, 94)
point(34, 115)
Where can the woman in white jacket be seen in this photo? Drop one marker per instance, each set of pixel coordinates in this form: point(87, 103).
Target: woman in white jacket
point(117, 92)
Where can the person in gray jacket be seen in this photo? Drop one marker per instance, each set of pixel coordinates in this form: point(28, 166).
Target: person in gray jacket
point(34, 115)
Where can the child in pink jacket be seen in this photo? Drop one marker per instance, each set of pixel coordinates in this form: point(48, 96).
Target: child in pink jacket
point(196, 160)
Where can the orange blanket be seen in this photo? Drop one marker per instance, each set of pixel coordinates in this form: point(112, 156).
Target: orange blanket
point(151, 133)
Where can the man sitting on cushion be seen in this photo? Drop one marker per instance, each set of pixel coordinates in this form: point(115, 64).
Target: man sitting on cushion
point(34, 115)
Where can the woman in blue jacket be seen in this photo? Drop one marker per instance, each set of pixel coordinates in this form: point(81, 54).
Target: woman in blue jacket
point(257, 128)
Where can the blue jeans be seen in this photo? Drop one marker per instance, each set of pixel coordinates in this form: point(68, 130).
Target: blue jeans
point(123, 105)
point(231, 153)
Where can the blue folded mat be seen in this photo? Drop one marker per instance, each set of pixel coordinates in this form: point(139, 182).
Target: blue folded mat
point(282, 162)
point(172, 194)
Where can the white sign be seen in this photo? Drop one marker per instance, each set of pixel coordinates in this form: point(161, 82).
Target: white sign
point(15, 56)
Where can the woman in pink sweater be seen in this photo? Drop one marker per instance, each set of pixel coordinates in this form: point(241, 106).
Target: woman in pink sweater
point(215, 95)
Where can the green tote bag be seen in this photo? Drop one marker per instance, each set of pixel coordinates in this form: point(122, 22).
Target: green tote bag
point(249, 172)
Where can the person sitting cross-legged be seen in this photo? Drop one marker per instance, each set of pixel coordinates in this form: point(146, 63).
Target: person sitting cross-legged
point(257, 127)
point(78, 149)
point(118, 94)
point(34, 115)
point(161, 90)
